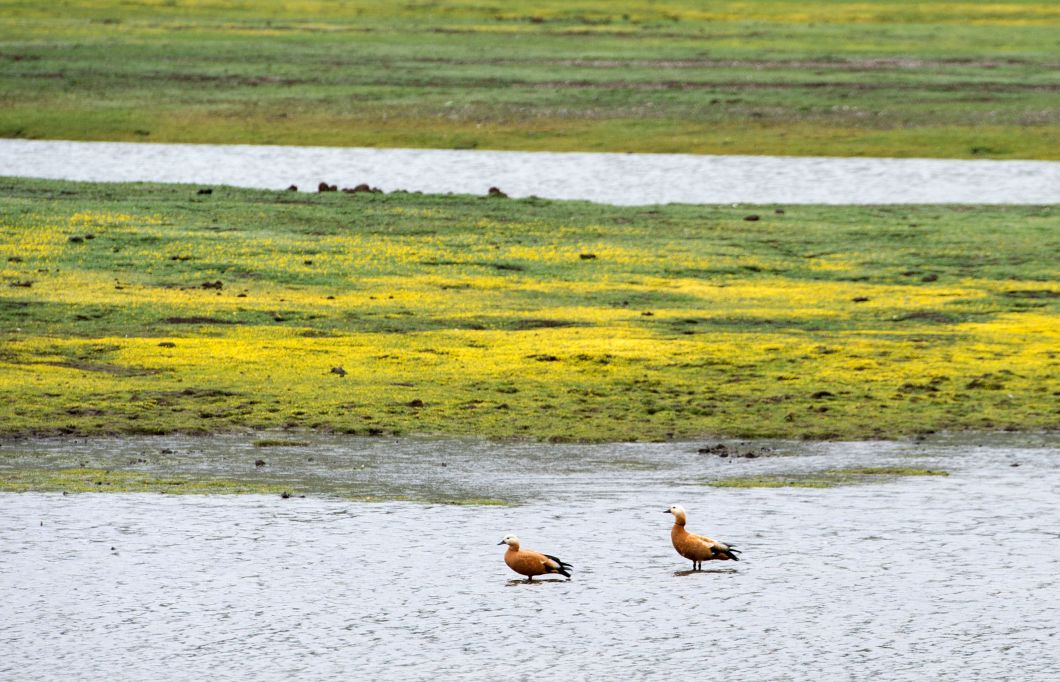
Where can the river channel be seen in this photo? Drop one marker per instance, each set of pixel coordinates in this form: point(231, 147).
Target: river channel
point(621, 179)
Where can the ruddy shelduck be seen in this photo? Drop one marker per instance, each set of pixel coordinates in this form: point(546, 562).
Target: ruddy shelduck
point(698, 548)
point(530, 563)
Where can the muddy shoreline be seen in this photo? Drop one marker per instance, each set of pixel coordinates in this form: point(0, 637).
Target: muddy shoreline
point(472, 470)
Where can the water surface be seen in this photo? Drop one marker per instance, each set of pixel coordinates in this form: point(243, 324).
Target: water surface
point(622, 179)
point(948, 578)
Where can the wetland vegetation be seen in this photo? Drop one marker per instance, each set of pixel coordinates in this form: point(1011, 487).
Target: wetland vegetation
point(86, 480)
point(161, 309)
point(827, 478)
point(875, 78)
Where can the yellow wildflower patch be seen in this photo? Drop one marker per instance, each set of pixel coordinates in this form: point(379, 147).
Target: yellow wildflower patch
point(437, 315)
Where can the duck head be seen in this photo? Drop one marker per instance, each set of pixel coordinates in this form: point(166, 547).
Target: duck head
point(679, 513)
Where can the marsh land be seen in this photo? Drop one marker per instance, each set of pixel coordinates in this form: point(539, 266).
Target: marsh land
point(876, 78)
point(162, 308)
point(361, 392)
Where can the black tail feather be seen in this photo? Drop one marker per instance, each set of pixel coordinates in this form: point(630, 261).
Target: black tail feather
point(564, 567)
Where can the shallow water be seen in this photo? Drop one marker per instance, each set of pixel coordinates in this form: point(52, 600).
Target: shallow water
point(622, 179)
point(918, 578)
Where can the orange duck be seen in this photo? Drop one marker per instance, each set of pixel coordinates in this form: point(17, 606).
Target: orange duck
point(530, 563)
point(697, 548)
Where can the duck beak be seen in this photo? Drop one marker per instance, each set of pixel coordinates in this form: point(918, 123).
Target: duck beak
point(667, 512)
point(501, 542)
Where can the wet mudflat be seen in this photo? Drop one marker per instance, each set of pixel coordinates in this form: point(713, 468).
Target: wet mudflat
point(941, 577)
point(620, 179)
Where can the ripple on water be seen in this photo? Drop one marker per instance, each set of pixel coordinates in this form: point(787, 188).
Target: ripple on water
point(941, 578)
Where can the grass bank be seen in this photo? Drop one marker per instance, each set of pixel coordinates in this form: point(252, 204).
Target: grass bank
point(934, 79)
point(157, 309)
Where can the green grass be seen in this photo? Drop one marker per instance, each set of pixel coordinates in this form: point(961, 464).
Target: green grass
point(934, 79)
point(151, 309)
point(826, 479)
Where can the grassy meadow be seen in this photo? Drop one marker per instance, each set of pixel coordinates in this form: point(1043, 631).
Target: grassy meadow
point(873, 78)
point(157, 309)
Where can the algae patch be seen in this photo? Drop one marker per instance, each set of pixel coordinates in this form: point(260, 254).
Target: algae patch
point(96, 480)
point(893, 471)
point(87, 480)
point(473, 502)
point(829, 478)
